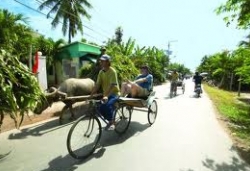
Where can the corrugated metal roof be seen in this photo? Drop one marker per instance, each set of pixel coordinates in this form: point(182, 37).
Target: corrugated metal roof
point(77, 49)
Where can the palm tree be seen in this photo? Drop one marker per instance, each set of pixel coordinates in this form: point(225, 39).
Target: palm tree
point(245, 44)
point(15, 35)
point(49, 47)
point(10, 25)
point(69, 12)
point(118, 35)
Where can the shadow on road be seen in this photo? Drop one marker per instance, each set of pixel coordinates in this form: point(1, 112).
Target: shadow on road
point(3, 156)
point(68, 163)
point(168, 96)
point(235, 165)
point(108, 138)
point(195, 96)
point(38, 130)
point(111, 138)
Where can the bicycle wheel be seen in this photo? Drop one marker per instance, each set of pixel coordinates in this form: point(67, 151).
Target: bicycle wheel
point(84, 136)
point(122, 118)
point(152, 112)
point(175, 90)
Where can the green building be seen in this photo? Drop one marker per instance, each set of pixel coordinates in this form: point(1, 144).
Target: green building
point(70, 58)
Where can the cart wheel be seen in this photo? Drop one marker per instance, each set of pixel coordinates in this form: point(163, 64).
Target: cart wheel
point(152, 112)
point(84, 136)
point(122, 118)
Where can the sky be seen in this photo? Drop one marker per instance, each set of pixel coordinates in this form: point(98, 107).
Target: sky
point(192, 28)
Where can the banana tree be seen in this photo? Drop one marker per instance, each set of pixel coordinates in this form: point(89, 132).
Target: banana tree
point(20, 90)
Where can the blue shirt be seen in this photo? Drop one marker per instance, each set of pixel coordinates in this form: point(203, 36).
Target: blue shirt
point(147, 84)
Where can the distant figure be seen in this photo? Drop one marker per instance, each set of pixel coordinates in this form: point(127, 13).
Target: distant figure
point(97, 67)
point(197, 78)
point(174, 79)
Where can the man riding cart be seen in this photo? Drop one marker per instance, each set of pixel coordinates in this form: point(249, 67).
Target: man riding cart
point(176, 81)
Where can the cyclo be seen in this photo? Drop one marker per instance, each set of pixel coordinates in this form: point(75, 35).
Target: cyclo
point(174, 85)
point(173, 89)
point(85, 133)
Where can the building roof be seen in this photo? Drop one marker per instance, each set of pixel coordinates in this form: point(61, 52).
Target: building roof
point(77, 50)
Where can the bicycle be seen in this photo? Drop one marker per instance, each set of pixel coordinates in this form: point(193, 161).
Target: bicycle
point(88, 130)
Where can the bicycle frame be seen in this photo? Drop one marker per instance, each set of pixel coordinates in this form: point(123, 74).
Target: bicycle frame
point(94, 105)
point(94, 108)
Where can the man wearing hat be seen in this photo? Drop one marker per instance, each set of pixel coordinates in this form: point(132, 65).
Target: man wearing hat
point(108, 82)
point(141, 86)
point(93, 74)
point(103, 50)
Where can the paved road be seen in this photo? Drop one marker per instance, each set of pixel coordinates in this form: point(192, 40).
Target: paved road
point(185, 137)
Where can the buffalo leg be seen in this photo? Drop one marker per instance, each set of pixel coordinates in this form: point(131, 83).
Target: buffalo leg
point(62, 112)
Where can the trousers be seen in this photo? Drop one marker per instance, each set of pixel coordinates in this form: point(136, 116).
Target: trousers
point(108, 109)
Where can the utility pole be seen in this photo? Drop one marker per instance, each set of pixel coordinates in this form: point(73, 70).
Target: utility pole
point(169, 44)
point(30, 58)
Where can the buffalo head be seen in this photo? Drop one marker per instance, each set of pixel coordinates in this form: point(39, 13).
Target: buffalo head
point(50, 97)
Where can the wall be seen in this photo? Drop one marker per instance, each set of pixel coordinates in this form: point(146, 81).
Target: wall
point(42, 72)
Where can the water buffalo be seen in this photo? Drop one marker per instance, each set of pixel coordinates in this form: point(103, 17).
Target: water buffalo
point(69, 88)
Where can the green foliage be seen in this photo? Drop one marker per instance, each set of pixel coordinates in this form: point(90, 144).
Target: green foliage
point(242, 62)
point(85, 70)
point(180, 68)
point(124, 67)
point(15, 36)
point(20, 90)
point(127, 58)
point(236, 10)
point(48, 47)
point(237, 113)
point(221, 66)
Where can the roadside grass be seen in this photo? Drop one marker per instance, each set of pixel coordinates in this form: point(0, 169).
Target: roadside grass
point(234, 111)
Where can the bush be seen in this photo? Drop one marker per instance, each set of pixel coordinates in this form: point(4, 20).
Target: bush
point(20, 90)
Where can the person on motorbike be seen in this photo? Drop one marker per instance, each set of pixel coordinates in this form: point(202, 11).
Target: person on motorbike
point(197, 78)
point(174, 79)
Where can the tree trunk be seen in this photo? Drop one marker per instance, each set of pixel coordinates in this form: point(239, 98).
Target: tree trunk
point(55, 73)
point(222, 81)
point(69, 41)
point(239, 87)
point(231, 81)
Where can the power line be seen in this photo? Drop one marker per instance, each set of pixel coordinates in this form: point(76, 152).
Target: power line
point(40, 2)
point(76, 17)
point(111, 23)
point(27, 6)
point(41, 13)
point(97, 26)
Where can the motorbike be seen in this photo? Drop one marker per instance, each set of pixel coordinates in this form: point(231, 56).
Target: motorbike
point(198, 90)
